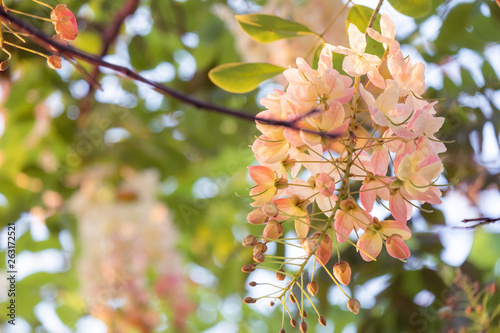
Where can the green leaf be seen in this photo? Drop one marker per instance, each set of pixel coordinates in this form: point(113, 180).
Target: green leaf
point(269, 28)
point(413, 8)
point(241, 78)
point(484, 243)
point(360, 17)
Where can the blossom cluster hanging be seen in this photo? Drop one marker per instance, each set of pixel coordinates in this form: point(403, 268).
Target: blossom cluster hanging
point(378, 132)
point(65, 26)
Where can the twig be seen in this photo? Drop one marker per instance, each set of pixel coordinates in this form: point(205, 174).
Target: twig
point(108, 38)
point(480, 221)
point(71, 52)
point(374, 14)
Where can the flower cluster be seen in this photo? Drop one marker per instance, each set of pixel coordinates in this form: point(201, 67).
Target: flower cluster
point(378, 132)
point(135, 234)
point(65, 26)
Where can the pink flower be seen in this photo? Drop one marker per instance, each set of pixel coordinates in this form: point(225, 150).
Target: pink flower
point(350, 216)
point(388, 31)
point(396, 247)
point(330, 121)
point(313, 89)
point(266, 187)
point(273, 230)
point(385, 110)
point(357, 62)
point(417, 172)
point(64, 22)
point(295, 206)
point(54, 62)
point(371, 188)
point(370, 243)
point(268, 151)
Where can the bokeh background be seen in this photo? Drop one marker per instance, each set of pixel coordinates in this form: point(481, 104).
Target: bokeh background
point(124, 200)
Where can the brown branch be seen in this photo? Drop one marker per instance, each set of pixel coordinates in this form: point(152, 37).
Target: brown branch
point(74, 53)
point(374, 14)
point(480, 221)
point(108, 38)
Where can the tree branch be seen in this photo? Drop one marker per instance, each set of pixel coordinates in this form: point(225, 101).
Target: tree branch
point(71, 52)
point(480, 221)
point(108, 38)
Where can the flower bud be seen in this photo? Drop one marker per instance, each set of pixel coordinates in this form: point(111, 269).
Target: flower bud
point(312, 288)
point(270, 209)
point(479, 308)
point(322, 320)
point(259, 248)
point(259, 257)
point(468, 310)
point(58, 39)
point(304, 314)
point(396, 247)
point(64, 22)
point(54, 62)
point(271, 304)
point(249, 241)
point(342, 272)
point(292, 299)
point(273, 230)
point(257, 216)
point(353, 305)
point(325, 184)
point(248, 268)
point(293, 322)
point(248, 300)
point(308, 245)
point(282, 330)
point(492, 288)
point(4, 65)
point(252, 283)
point(303, 327)
point(280, 275)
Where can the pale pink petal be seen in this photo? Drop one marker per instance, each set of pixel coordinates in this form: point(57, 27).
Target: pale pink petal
point(398, 207)
point(404, 169)
point(343, 225)
point(370, 243)
point(357, 40)
point(342, 50)
point(269, 152)
point(262, 175)
point(397, 248)
point(324, 251)
point(355, 66)
point(380, 160)
point(261, 195)
point(367, 195)
point(301, 224)
point(391, 227)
